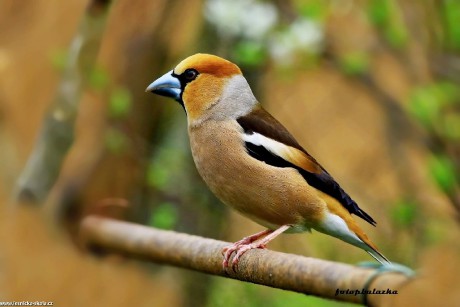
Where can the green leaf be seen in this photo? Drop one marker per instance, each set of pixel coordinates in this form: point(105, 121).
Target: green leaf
point(167, 165)
point(427, 102)
point(387, 17)
point(396, 34)
point(98, 78)
point(448, 93)
point(404, 213)
point(119, 103)
point(355, 63)
point(313, 9)
point(452, 14)
point(451, 126)
point(250, 53)
point(443, 172)
point(379, 12)
point(164, 216)
point(424, 105)
point(158, 176)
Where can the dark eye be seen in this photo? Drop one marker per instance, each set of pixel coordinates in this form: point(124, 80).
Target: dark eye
point(190, 74)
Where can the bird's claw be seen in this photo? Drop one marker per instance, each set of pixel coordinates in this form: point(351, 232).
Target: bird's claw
point(240, 249)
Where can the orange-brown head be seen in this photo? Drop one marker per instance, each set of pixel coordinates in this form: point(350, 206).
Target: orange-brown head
point(207, 86)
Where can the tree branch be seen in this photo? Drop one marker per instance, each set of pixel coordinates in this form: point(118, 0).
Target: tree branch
point(57, 132)
point(279, 270)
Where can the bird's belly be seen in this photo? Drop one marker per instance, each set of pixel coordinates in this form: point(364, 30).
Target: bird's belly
point(271, 196)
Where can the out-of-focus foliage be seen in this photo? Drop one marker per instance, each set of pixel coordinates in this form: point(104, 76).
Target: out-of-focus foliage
point(164, 216)
point(314, 9)
point(120, 102)
point(387, 16)
point(431, 103)
point(437, 107)
point(115, 140)
point(59, 59)
point(223, 294)
point(257, 31)
point(98, 78)
point(354, 63)
point(443, 172)
point(250, 53)
point(165, 169)
point(404, 213)
point(451, 12)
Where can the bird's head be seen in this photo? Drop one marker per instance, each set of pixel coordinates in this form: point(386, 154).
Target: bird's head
point(208, 87)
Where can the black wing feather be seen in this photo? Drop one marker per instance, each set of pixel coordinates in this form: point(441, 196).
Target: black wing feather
point(322, 181)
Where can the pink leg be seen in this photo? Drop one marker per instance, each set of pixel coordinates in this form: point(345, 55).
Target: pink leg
point(257, 243)
point(228, 250)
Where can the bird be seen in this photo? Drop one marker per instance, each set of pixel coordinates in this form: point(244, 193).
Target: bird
point(251, 162)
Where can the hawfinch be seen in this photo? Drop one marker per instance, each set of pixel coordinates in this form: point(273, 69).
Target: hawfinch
point(252, 163)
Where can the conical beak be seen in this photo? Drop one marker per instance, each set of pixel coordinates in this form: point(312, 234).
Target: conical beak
point(167, 85)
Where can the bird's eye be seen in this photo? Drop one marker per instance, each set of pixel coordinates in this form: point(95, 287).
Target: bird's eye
point(190, 74)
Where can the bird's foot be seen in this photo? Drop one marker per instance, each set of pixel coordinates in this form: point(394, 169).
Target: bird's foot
point(240, 249)
point(228, 250)
point(258, 240)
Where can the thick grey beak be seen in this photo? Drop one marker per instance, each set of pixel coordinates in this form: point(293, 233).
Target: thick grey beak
point(167, 85)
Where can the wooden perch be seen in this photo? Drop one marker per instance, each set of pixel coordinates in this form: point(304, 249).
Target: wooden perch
point(279, 270)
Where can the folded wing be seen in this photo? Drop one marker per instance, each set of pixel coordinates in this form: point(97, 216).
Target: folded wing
point(268, 141)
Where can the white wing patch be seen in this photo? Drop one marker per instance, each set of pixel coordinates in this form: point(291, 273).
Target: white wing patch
point(271, 145)
point(288, 153)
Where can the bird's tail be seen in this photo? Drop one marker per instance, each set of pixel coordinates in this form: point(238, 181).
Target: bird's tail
point(371, 249)
point(340, 224)
point(378, 256)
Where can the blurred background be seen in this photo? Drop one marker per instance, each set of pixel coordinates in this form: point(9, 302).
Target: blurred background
point(370, 88)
